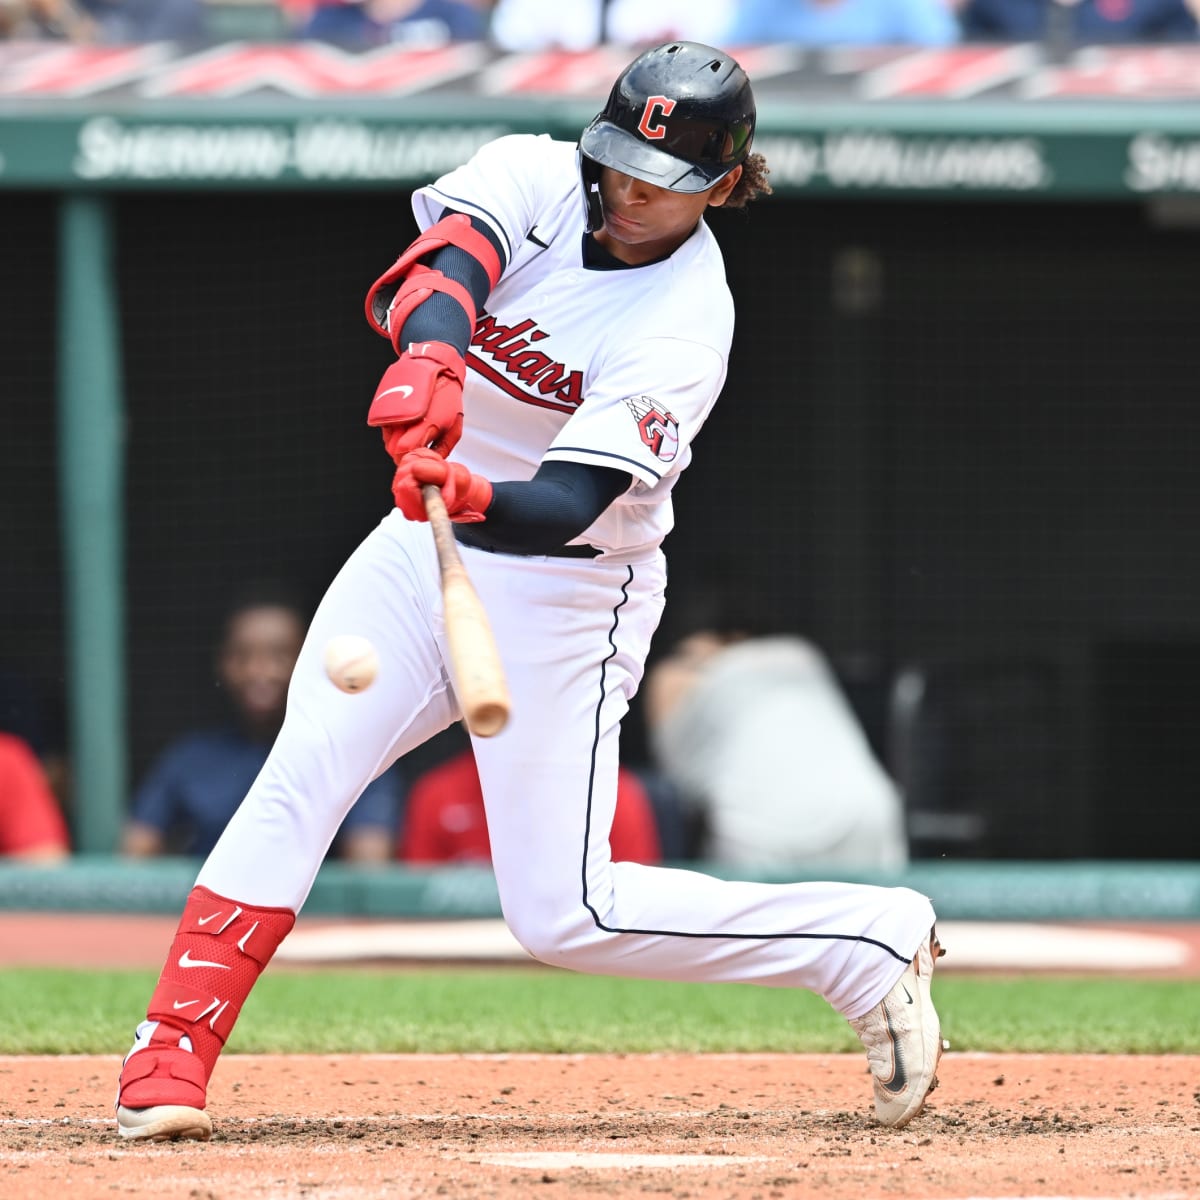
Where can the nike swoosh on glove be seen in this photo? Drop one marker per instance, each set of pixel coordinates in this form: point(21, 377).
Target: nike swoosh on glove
point(466, 496)
point(418, 402)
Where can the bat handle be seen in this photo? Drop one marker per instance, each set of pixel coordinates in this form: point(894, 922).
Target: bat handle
point(442, 526)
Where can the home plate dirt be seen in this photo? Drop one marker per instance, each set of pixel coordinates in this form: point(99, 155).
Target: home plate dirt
point(708, 1127)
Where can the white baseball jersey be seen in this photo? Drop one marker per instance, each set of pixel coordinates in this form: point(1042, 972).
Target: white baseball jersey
point(617, 368)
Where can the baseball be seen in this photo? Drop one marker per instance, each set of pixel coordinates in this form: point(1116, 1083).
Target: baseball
point(351, 662)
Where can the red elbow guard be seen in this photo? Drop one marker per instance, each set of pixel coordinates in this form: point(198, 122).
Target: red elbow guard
point(407, 283)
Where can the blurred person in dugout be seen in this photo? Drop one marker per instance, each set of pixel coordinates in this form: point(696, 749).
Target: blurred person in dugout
point(1080, 21)
point(755, 734)
point(32, 826)
point(195, 786)
point(35, 717)
point(445, 821)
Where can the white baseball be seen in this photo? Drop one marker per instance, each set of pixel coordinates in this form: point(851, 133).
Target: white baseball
point(351, 662)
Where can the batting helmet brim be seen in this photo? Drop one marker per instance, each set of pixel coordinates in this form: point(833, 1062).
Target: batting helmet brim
point(611, 146)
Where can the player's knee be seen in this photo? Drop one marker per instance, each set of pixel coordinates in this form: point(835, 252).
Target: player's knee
point(561, 938)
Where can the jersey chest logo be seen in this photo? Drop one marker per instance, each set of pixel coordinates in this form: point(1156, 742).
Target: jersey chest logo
point(506, 357)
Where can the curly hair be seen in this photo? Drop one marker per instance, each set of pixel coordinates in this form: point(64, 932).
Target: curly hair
point(752, 184)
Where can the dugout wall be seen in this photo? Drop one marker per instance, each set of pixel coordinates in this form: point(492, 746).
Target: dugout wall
point(958, 440)
point(983, 447)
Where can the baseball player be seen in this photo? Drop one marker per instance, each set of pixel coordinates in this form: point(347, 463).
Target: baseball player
point(561, 326)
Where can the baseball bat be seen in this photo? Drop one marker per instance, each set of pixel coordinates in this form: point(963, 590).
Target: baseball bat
point(478, 672)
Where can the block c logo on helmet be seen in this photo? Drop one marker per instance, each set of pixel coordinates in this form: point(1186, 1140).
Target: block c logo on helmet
point(650, 126)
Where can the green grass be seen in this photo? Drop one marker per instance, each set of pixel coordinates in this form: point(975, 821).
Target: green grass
point(528, 1009)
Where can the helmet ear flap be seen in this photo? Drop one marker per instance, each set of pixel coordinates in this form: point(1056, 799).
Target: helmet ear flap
point(589, 172)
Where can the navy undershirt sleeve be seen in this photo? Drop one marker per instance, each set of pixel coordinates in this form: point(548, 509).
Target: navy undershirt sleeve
point(556, 505)
point(441, 318)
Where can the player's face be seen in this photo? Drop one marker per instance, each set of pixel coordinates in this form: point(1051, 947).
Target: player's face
point(643, 222)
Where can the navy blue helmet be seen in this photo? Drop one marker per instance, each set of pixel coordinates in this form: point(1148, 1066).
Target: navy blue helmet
point(680, 116)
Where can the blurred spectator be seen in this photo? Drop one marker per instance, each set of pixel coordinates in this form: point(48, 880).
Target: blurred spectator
point(432, 22)
point(760, 742)
point(532, 25)
point(187, 798)
point(445, 819)
point(45, 20)
point(32, 828)
point(634, 22)
point(347, 24)
point(39, 723)
point(362, 24)
point(843, 22)
point(1080, 21)
point(130, 22)
point(529, 25)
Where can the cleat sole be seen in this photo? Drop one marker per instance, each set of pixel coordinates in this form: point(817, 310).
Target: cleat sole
point(164, 1123)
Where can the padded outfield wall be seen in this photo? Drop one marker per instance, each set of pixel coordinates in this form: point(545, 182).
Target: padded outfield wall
point(961, 409)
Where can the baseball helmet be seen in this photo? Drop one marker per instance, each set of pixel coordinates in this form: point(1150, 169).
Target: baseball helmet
point(680, 116)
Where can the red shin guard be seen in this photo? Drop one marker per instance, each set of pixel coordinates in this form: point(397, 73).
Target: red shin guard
point(219, 951)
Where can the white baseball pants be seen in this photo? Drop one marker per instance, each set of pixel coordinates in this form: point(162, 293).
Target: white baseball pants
point(573, 635)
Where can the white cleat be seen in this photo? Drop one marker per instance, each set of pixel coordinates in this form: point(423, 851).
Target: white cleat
point(903, 1039)
point(164, 1122)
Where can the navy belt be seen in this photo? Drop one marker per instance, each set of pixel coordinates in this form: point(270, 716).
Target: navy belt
point(471, 535)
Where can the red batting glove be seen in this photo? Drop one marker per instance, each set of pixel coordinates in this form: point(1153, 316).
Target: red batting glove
point(466, 496)
point(418, 402)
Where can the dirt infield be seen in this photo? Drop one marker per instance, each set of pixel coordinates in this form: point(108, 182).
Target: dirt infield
point(711, 1127)
point(742, 1127)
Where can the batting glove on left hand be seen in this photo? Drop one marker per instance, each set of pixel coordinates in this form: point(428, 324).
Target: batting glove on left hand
point(466, 496)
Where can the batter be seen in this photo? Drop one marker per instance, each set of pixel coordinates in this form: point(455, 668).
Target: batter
point(562, 327)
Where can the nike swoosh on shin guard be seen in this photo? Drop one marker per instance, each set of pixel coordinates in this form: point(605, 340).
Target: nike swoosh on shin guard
point(186, 960)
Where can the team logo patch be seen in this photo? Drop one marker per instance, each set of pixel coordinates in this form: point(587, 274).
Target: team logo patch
point(658, 428)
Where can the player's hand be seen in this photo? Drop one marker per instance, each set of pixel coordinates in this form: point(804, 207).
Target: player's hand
point(466, 496)
point(418, 402)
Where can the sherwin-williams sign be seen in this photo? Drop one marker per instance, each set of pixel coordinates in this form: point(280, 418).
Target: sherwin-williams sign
point(988, 121)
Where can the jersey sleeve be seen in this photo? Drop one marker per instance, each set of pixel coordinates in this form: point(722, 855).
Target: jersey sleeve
point(644, 408)
point(500, 185)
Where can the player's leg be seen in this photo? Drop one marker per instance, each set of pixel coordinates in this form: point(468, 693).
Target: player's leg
point(550, 784)
point(260, 872)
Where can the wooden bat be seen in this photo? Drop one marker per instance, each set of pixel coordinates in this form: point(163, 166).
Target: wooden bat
point(478, 672)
